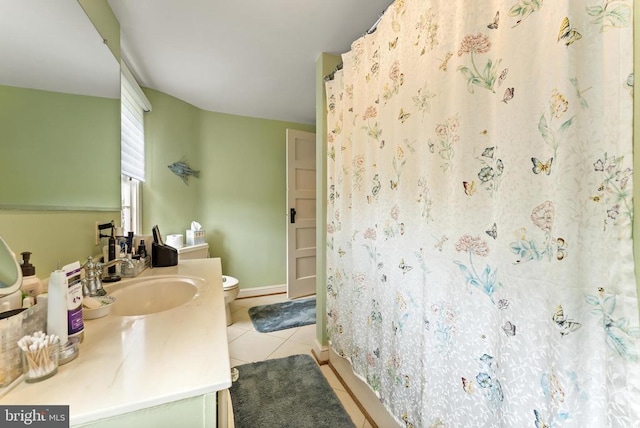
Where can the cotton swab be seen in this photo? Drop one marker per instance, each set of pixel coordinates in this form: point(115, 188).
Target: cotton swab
point(40, 355)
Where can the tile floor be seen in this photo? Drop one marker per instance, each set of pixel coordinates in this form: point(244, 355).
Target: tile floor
point(246, 345)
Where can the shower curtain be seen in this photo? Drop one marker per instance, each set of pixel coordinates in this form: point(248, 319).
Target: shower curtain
point(479, 253)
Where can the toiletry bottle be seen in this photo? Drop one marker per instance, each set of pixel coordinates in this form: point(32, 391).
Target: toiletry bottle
point(142, 249)
point(31, 285)
point(129, 242)
point(75, 322)
point(112, 252)
point(57, 306)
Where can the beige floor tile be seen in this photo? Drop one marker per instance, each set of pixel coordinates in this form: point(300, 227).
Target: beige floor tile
point(242, 320)
point(351, 407)
point(284, 334)
point(234, 332)
point(235, 362)
point(253, 346)
point(305, 334)
point(234, 306)
point(331, 377)
point(366, 424)
point(290, 348)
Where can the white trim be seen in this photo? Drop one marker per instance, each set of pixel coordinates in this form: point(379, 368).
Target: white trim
point(262, 291)
point(361, 393)
point(320, 352)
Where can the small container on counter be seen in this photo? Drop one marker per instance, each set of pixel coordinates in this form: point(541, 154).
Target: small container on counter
point(39, 356)
point(14, 325)
point(134, 268)
point(31, 284)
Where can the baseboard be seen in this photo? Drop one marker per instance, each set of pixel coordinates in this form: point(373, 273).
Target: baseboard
point(365, 399)
point(320, 352)
point(262, 291)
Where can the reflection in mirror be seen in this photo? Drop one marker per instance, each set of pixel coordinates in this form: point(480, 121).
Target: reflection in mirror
point(59, 109)
point(10, 273)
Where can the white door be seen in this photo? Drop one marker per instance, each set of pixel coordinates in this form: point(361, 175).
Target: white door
point(301, 213)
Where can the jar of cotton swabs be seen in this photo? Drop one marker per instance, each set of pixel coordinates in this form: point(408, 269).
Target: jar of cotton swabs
point(39, 356)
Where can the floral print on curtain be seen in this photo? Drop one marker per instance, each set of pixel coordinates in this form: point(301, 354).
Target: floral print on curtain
point(479, 260)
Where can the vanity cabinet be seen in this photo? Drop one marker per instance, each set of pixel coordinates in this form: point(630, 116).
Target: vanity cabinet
point(197, 412)
point(165, 369)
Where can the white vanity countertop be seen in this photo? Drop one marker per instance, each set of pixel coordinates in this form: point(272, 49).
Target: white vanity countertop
point(131, 363)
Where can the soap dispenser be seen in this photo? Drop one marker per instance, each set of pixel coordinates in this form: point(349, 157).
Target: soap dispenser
point(31, 285)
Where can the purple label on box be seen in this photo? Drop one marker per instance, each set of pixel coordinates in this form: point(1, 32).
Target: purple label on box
point(74, 308)
point(76, 324)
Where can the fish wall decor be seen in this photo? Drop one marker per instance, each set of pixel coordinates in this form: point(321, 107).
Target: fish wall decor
point(182, 170)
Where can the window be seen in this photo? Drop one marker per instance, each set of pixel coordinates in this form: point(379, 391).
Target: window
point(131, 204)
point(133, 105)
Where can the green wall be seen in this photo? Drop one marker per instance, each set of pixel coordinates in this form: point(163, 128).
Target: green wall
point(53, 236)
point(60, 168)
point(60, 153)
point(240, 196)
point(60, 172)
point(58, 150)
point(171, 134)
point(325, 64)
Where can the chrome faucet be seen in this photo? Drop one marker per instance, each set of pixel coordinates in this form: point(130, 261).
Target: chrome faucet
point(92, 282)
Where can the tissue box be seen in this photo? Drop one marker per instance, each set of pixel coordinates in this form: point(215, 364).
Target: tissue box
point(195, 237)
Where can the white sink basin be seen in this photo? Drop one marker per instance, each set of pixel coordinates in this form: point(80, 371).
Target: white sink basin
point(152, 295)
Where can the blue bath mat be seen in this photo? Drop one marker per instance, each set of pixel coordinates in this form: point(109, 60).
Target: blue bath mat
point(288, 392)
point(281, 316)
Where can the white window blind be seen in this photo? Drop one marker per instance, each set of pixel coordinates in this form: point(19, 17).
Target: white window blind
point(133, 105)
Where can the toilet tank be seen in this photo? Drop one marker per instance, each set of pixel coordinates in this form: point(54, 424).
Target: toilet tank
point(200, 251)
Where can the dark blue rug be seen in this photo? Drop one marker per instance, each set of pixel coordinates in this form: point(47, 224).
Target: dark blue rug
point(288, 392)
point(281, 316)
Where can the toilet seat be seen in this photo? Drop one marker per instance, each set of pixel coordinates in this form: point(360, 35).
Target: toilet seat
point(229, 282)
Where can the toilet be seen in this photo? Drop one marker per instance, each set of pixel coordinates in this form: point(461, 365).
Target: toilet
point(229, 283)
point(231, 289)
point(190, 252)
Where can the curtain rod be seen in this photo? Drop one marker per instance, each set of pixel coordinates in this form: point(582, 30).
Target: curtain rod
point(371, 30)
point(333, 73)
point(375, 24)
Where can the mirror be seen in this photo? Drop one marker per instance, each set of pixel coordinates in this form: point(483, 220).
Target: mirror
point(10, 272)
point(59, 109)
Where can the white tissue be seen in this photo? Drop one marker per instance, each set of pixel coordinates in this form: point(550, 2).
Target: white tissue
point(195, 235)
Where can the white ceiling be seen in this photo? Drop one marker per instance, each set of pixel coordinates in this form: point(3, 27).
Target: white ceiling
point(245, 57)
point(51, 45)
